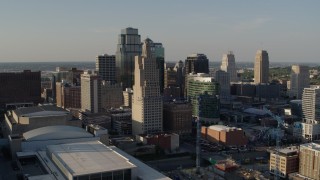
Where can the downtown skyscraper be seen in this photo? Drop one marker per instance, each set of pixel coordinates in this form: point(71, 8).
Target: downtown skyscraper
point(147, 102)
point(129, 46)
point(311, 113)
point(106, 67)
point(195, 63)
point(261, 67)
point(228, 65)
point(299, 80)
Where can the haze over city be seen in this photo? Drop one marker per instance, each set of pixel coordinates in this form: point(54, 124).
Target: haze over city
point(41, 31)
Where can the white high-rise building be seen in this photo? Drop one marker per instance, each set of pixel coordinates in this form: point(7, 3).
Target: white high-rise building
point(147, 102)
point(261, 67)
point(311, 113)
point(228, 65)
point(299, 80)
point(90, 92)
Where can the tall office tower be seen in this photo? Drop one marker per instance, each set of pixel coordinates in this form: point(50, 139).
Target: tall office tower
point(299, 80)
point(106, 67)
point(309, 161)
point(90, 92)
point(159, 54)
point(129, 46)
point(228, 65)
point(223, 78)
point(261, 67)
point(147, 102)
point(20, 87)
point(205, 87)
point(195, 63)
point(311, 113)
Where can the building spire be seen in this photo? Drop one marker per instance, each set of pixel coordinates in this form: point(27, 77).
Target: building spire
point(147, 48)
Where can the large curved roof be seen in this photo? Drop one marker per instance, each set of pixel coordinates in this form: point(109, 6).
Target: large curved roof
point(56, 132)
point(255, 111)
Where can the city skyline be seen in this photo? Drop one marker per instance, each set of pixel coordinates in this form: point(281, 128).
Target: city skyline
point(41, 31)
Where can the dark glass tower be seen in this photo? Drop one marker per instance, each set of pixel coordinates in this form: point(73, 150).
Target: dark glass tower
point(129, 46)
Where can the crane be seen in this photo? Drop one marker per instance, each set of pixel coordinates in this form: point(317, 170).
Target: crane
point(280, 122)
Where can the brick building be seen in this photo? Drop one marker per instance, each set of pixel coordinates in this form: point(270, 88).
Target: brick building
point(19, 87)
point(229, 136)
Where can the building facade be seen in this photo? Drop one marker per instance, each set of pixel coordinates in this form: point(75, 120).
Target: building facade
point(111, 95)
point(299, 80)
point(106, 67)
point(311, 113)
point(195, 63)
point(261, 67)
point(90, 92)
point(223, 78)
point(177, 117)
point(147, 102)
point(309, 164)
point(284, 162)
point(208, 90)
point(129, 46)
point(127, 97)
point(229, 136)
point(228, 65)
point(20, 87)
point(159, 54)
point(68, 96)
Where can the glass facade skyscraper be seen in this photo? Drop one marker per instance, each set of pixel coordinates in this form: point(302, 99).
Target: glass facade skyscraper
point(129, 46)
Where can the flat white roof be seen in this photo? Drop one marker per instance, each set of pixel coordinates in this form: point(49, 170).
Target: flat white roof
point(89, 158)
point(223, 128)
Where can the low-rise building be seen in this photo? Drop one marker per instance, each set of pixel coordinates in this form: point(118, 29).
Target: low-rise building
point(284, 162)
point(164, 141)
point(229, 136)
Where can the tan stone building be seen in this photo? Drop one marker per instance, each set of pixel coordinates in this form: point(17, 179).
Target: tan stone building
point(68, 96)
point(147, 101)
point(90, 92)
point(299, 80)
point(284, 163)
point(309, 165)
point(261, 67)
point(127, 97)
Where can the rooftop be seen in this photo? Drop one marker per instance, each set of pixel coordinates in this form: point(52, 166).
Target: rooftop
point(255, 111)
point(56, 132)
point(313, 146)
point(47, 110)
point(222, 128)
point(89, 158)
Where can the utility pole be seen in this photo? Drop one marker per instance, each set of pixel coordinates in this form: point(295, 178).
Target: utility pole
point(198, 138)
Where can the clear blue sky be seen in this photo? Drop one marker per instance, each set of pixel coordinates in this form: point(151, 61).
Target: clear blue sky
point(79, 30)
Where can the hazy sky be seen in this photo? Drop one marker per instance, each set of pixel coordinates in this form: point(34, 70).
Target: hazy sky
point(79, 30)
